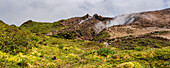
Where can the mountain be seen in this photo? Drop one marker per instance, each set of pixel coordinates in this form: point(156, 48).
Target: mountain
point(137, 40)
point(89, 27)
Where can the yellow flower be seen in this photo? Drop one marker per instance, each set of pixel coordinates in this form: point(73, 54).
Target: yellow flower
point(14, 58)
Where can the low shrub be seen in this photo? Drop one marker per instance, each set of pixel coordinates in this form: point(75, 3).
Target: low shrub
point(61, 46)
point(101, 36)
point(67, 35)
point(105, 51)
point(132, 43)
point(34, 38)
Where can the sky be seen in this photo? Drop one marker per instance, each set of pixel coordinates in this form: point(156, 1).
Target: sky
point(18, 11)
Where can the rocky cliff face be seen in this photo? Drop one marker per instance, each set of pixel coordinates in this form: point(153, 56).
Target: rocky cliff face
point(89, 27)
point(159, 18)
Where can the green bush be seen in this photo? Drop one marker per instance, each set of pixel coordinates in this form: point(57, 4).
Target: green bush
point(61, 46)
point(34, 38)
point(105, 51)
point(101, 36)
point(67, 35)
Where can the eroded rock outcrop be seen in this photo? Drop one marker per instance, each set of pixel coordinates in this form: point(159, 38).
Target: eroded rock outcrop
point(88, 27)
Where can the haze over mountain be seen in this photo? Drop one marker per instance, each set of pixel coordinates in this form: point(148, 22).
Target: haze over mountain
point(17, 11)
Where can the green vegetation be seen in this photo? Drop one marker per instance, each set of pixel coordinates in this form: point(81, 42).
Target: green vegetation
point(139, 43)
point(105, 51)
point(61, 46)
point(101, 36)
point(24, 47)
point(41, 28)
point(66, 35)
point(14, 40)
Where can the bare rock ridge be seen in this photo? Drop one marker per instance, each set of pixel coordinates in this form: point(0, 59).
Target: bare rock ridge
point(88, 27)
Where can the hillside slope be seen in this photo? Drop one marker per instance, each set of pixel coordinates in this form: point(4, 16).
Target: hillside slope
point(126, 41)
point(92, 26)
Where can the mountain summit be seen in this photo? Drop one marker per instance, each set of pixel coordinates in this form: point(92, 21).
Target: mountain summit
point(88, 27)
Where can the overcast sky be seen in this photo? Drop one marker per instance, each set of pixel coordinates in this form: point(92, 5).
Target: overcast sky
point(18, 11)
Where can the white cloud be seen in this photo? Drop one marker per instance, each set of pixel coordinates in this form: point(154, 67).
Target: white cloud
point(168, 3)
point(18, 11)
